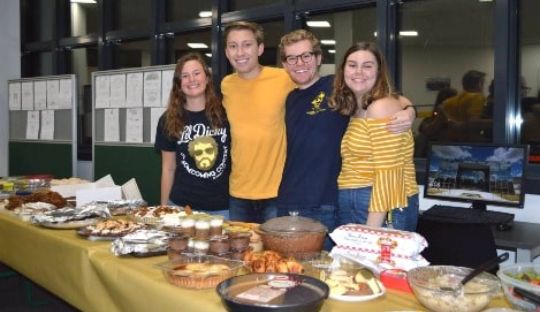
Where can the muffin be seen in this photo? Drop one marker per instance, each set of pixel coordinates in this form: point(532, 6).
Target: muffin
point(202, 229)
point(219, 245)
point(216, 225)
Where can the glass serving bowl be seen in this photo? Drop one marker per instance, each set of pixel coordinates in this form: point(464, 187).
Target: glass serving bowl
point(522, 275)
point(438, 288)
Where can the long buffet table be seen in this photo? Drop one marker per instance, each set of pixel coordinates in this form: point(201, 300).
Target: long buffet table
point(88, 276)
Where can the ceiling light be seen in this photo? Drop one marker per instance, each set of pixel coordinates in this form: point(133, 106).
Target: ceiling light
point(197, 45)
point(324, 24)
point(205, 13)
point(83, 1)
point(408, 33)
point(404, 33)
point(328, 42)
point(332, 51)
point(208, 54)
point(485, 0)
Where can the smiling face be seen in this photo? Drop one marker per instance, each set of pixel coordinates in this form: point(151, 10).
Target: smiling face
point(303, 73)
point(193, 79)
point(360, 72)
point(243, 52)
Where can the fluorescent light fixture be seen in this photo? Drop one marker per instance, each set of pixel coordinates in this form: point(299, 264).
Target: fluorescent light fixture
point(332, 51)
point(408, 33)
point(197, 45)
point(485, 0)
point(404, 33)
point(205, 13)
point(328, 42)
point(208, 54)
point(83, 1)
point(320, 24)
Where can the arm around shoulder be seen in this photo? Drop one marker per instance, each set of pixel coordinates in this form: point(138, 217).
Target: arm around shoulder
point(383, 108)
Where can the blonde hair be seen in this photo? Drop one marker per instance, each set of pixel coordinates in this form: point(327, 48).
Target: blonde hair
point(297, 36)
point(255, 28)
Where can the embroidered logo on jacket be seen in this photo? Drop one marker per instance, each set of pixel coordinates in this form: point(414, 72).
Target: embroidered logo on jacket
point(316, 104)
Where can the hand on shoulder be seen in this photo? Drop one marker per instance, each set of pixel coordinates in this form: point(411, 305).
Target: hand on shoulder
point(383, 108)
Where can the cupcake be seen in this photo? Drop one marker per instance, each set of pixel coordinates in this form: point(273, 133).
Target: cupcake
point(219, 245)
point(216, 225)
point(202, 229)
point(200, 247)
point(188, 226)
point(240, 241)
point(179, 243)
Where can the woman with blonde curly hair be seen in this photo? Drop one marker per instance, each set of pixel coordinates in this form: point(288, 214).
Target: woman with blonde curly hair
point(377, 181)
point(194, 140)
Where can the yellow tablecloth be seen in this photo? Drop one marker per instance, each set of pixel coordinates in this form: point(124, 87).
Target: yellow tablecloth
point(88, 276)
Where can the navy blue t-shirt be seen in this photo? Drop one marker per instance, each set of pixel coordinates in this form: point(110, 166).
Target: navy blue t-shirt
point(203, 163)
point(314, 135)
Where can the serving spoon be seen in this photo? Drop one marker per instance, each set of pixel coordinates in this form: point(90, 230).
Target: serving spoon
point(490, 264)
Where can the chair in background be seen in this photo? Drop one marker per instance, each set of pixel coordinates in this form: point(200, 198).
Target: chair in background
point(460, 244)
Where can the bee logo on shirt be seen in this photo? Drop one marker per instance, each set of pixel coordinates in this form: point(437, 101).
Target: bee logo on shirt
point(316, 104)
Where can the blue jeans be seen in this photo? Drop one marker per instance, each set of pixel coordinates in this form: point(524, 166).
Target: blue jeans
point(354, 203)
point(252, 210)
point(326, 214)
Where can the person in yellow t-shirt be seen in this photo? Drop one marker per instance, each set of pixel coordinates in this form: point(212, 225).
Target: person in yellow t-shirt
point(254, 99)
point(471, 102)
point(377, 181)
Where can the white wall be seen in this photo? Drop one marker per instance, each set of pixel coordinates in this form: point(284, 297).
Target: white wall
point(10, 68)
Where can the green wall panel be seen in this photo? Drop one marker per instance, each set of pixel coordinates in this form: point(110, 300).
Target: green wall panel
point(126, 162)
point(26, 158)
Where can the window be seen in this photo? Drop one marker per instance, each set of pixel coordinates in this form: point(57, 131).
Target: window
point(530, 73)
point(134, 54)
point(134, 14)
point(183, 10)
point(84, 18)
point(340, 32)
point(272, 34)
point(37, 20)
point(37, 64)
point(439, 53)
point(197, 41)
point(248, 4)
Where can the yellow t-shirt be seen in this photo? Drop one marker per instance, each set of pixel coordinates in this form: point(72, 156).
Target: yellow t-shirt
point(465, 106)
point(372, 156)
point(256, 112)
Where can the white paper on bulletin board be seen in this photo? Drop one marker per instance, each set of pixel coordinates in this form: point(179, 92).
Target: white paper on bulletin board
point(155, 113)
point(134, 90)
point(152, 89)
point(118, 91)
point(166, 85)
point(102, 91)
point(112, 125)
point(134, 125)
point(32, 125)
point(65, 94)
point(27, 95)
point(53, 94)
point(47, 125)
point(40, 95)
point(14, 95)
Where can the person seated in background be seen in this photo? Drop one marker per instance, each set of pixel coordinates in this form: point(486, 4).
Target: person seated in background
point(194, 140)
point(434, 127)
point(469, 103)
point(377, 182)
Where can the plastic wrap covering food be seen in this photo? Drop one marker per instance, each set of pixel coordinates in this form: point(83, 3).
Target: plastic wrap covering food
point(73, 214)
point(379, 248)
point(141, 242)
point(124, 206)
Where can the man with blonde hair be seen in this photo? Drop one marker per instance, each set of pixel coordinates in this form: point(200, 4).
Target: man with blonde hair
point(314, 132)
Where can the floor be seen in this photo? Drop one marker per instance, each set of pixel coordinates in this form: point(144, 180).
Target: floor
point(14, 296)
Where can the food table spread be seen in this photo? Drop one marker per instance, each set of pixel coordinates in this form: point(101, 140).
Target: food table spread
point(88, 276)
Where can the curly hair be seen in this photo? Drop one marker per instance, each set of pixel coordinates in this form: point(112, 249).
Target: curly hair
point(343, 100)
point(175, 115)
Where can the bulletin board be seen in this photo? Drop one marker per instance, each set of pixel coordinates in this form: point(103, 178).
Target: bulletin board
point(43, 126)
point(126, 107)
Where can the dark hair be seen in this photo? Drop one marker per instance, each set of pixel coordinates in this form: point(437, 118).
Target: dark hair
point(472, 80)
point(175, 114)
point(343, 99)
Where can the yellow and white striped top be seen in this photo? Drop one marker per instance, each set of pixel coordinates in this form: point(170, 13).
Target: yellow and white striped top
point(372, 156)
